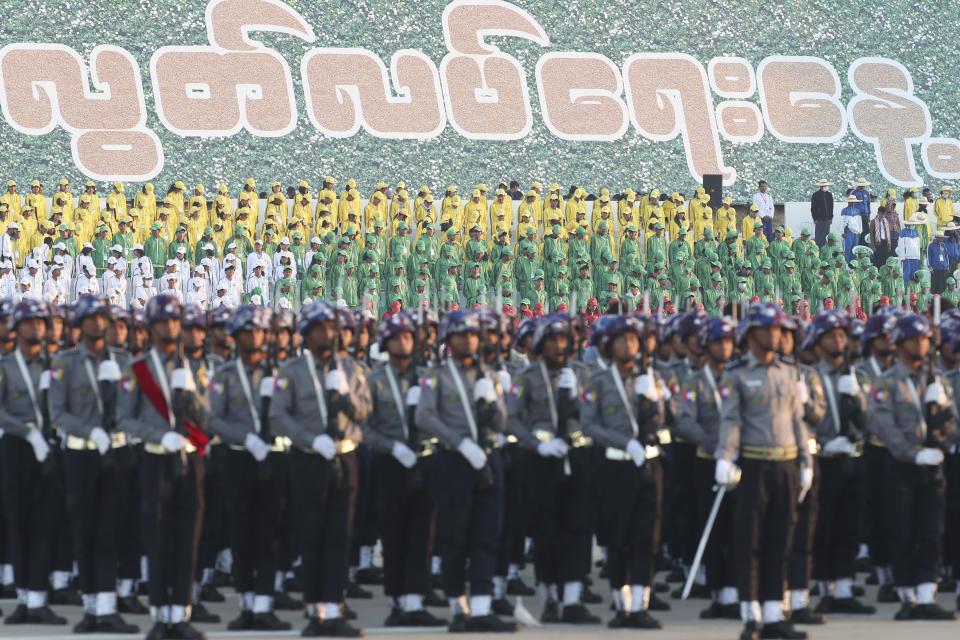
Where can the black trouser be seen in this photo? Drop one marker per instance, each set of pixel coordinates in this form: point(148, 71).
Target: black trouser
point(365, 516)
point(4, 543)
point(633, 502)
point(405, 522)
point(561, 517)
point(718, 554)
point(218, 519)
point(469, 520)
point(171, 511)
point(800, 559)
point(31, 501)
point(918, 511)
point(878, 519)
point(128, 500)
point(93, 505)
point(837, 537)
point(324, 495)
point(952, 528)
point(257, 491)
point(600, 519)
point(764, 516)
point(515, 521)
point(682, 528)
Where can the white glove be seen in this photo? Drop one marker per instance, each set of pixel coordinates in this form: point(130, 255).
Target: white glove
point(473, 453)
point(40, 447)
point(44, 384)
point(182, 380)
point(802, 392)
point(726, 474)
point(848, 385)
point(935, 393)
point(256, 446)
point(266, 387)
point(323, 444)
point(568, 380)
point(336, 381)
point(484, 390)
point(506, 380)
point(929, 456)
point(806, 481)
point(108, 371)
point(101, 439)
point(404, 455)
point(646, 386)
point(413, 396)
point(555, 448)
point(637, 452)
point(171, 441)
point(840, 444)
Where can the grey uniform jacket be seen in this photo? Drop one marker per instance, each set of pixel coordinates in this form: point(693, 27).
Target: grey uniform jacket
point(815, 408)
point(17, 412)
point(230, 410)
point(604, 417)
point(73, 392)
point(529, 400)
point(294, 410)
point(897, 419)
point(826, 429)
point(388, 421)
point(698, 410)
point(136, 414)
point(441, 413)
point(761, 408)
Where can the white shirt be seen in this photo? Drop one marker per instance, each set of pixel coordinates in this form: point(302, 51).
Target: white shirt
point(197, 298)
point(223, 301)
point(765, 203)
point(254, 281)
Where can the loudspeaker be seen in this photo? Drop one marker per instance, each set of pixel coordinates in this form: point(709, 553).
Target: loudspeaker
point(713, 185)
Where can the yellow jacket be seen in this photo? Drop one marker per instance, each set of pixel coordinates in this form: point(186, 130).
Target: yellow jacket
point(943, 209)
point(254, 200)
point(14, 203)
point(345, 205)
point(746, 226)
point(371, 214)
point(39, 204)
point(146, 202)
point(726, 220)
point(66, 204)
point(603, 212)
point(121, 201)
point(473, 214)
point(177, 198)
point(506, 206)
point(425, 212)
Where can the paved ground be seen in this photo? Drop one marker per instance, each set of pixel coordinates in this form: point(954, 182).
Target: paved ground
point(682, 623)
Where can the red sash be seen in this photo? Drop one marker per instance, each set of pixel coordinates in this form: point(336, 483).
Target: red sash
point(154, 394)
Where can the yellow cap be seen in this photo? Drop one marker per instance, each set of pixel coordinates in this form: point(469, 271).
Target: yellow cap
point(482, 188)
point(35, 183)
point(180, 185)
point(754, 207)
point(223, 188)
point(655, 193)
point(118, 186)
point(200, 188)
point(251, 183)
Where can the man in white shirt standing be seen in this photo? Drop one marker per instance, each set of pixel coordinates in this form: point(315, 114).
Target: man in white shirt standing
point(764, 202)
point(9, 245)
point(144, 291)
point(259, 279)
point(56, 285)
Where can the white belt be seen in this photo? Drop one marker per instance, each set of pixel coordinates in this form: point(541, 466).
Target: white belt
point(619, 455)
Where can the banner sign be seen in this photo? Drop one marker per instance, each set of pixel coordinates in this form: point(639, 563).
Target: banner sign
point(479, 90)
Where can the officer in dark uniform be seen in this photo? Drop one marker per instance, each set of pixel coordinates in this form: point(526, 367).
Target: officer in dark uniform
point(761, 425)
point(950, 364)
point(461, 404)
point(83, 392)
point(625, 408)
point(29, 478)
point(323, 463)
point(543, 410)
point(161, 404)
point(914, 415)
point(404, 505)
point(7, 345)
point(698, 421)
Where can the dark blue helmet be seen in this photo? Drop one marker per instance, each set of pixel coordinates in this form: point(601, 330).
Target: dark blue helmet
point(392, 325)
point(194, 316)
point(459, 322)
point(880, 323)
point(248, 317)
point(318, 311)
point(25, 310)
point(89, 305)
point(909, 325)
point(716, 329)
point(163, 307)
point(550, 325)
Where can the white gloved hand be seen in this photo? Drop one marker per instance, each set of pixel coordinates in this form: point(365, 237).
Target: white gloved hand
point(802, 392)
point(266, 387)
point(171, 441)
point(848, 385)
point(806, 482)
point(44, 384)
point(323, 444)
point(929, 457)
point(256, 446)
point(506, 380)
point(404, 454)
point(100, 438)
point(840, 444)
point(637, 452)
point(726, 474)
point(555, 448)
point(473, 453)
point(40, 447)
point(336, 381)
point(568, 380)
point(935, 393)
point(484, 390)
point(108, 371)
point(413, 396)
point(646, 386)
point(182, 380)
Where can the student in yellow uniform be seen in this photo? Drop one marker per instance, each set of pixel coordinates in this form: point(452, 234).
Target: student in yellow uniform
point(484, 204)
point(199, 197)
point(276, 189)
point(12, 199)
point(146, 203)
point(111, 214)
point(372, 212)
point(555, 191)
point(226, 205)
point(176, 198)
point(575, 205)
point(249, 194)
point(473, 214)
point(650, 208)
point(453, 213)
point(628, 210)
point(64, 199)
point(726, 218)
point(910, 205)
point(90, 189)
point(703, 218)
point(746, 225)
point(168, 216)
point(383, 201)
point(669, 205)
point(349, 200)
point(526, 220)
point(537, 188)
point(424, 190)
point(121, 197)
point(424, 212)
point(501, 203)
point(528, 206)
point(275, 204)
point(83, 219)
point(943, 207)
point(28, 227)
point(603, 210)
point(400, 204)
point(37, 200)
point(326, 200)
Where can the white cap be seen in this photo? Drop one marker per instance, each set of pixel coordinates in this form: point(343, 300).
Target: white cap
point(209, 247)
point(255, 299)
point(61, 245)
point(137, 247)
point(182, 249)
point(87, 245)
point(148, 276)
point(111, 260)
point(222, 285)
point(284, 240)
point(116, 247)
point(198, 270)
point(316, 240)
point(171, 263)
point(58, 261)
point(13, 225)
point(258, 241)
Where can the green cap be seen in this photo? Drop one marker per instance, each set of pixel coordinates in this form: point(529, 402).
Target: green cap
point(153, 227)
